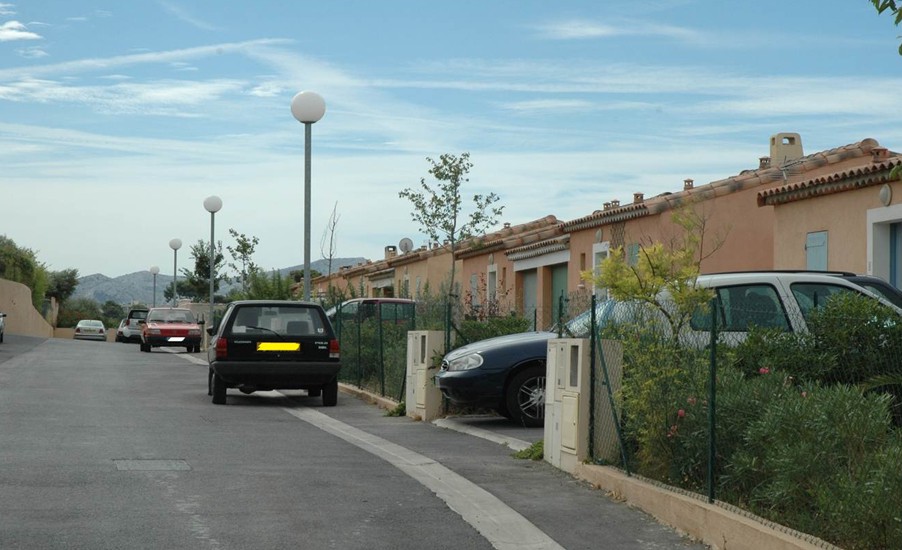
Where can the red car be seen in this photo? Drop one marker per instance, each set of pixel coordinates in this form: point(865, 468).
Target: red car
point(172, 327)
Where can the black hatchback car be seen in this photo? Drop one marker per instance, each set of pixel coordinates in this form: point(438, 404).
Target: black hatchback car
point(274, 344)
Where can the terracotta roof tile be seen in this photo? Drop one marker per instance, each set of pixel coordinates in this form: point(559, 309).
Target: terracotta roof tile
point(856, 178)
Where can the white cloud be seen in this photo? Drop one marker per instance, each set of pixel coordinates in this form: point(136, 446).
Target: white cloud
point(581, 29)
point(32, 53)
point(182, 14)
point(14, 30)
point(7, 9)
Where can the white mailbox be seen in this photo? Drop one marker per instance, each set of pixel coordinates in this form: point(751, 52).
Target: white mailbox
point(422, 397)
point(567, 402)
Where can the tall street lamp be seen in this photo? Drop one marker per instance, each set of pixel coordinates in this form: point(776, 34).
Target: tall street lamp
point(212, 205)
point(154, 270)
point(175, 244)
point(307, 108)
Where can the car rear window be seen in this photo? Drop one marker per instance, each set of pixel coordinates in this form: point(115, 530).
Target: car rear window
point(284, 320)
point(171, 316)
point(138, 314)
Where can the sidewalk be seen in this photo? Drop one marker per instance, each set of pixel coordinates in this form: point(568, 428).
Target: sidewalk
point(718, 524)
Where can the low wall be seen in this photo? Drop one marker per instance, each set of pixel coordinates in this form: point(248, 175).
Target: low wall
point(21, 316)
point(69, 333)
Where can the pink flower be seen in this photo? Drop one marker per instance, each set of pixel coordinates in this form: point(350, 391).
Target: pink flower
point(763, 370)
point(691, 400)
point(681, 413)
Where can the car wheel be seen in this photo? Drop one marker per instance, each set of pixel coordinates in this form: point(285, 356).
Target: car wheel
point(210, 381)
point(526, 397)
point(314, 392)
point(502, 411)
point(330, 393)
point(219, 390)
point(145, 347)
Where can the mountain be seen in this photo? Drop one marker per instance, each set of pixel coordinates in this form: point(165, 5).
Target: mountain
point(138, 287)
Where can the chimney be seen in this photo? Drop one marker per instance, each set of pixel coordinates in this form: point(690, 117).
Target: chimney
point(607, 206)
point(688, 184)
point(391, 251)
point(879, 153)
point(763, 162)
point(785, 147)
point(507, 225)
point(615, 203)
point(638, 198)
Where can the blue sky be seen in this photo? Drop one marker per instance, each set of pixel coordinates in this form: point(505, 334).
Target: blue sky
point(118, 118)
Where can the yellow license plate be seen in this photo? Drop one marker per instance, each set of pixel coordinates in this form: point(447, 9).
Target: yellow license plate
point(278, 346)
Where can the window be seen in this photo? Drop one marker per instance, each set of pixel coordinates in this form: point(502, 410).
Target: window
point(632, 254)
point(814, 295)
point(600, 252)
point(741, 307)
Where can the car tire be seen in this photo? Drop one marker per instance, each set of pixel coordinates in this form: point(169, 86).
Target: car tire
point(314, 392)
point(330, 393)
point(145, 347)
point(210, 381)
point(525, 397)
point(219, 390)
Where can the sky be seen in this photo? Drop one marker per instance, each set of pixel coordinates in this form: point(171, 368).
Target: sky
point(117, 119)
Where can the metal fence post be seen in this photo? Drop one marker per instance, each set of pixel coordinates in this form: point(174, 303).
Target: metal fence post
point(712, 409)
point(381, 351)
point(592, 378)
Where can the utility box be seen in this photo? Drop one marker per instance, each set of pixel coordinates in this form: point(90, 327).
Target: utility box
point(567, 402)
point(422, 398)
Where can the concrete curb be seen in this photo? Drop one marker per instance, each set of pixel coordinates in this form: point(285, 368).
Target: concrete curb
point(713, 524)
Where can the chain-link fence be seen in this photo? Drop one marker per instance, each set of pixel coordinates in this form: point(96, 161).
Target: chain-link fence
point(373, 340)
point(794, 418)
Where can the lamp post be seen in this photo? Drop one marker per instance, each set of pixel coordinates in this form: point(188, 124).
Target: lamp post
point(175, 244)
point(154, 270)
point(212, 204)
point(307, 108)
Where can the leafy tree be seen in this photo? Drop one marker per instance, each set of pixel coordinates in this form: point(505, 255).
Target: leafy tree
point(21, 265)
point(197, 282)
point(660, 269)
point(74, 310)
point(62, 284)
point(437, 208)
point(243, 257)
point(268, 287)
point(893, 8)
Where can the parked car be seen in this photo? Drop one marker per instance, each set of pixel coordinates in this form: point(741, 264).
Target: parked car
point(507, 373)
point(2, 326)
point(90, 329)
point(274, 344)
point(170, 326)
point(130, 328)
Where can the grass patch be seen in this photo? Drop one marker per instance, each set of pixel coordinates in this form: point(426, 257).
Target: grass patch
point(536, 451)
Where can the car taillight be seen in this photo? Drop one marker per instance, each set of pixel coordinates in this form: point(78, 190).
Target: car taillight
point(334, 349)
point(77, 330)
point(128, 322)
point(222, 348)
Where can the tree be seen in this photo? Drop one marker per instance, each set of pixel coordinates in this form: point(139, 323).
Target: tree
point(659, 269)
point(893, 8)
point(197, 282)
point(242, 256)
point(62, 284)
point(438, 209)
point(76, 309)
point(327, 243)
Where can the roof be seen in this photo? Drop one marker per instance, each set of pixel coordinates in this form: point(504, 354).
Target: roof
point(747, 179)
point(877, 173)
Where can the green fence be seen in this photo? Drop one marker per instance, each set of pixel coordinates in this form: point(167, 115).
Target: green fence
point(373, 343)
point(798, 426)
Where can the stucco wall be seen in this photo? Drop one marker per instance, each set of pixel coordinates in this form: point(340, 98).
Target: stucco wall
point(21, 316)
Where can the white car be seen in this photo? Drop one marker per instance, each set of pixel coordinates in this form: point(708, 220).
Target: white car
point(90, 329)
point(2, 326)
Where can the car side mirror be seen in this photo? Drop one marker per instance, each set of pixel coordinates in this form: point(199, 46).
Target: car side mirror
point(210, 331)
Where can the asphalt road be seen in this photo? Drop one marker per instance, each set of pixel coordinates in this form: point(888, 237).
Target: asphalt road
point(103, 446)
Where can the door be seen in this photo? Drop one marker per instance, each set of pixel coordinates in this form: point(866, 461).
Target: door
point(816, 251)
point(529, 284)
point(558, 289)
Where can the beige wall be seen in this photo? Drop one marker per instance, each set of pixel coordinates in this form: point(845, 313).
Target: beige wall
point(846, 233)
point(21, 316)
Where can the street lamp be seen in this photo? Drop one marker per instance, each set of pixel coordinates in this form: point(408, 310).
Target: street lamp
point(154, 270)
point(175, 244)
point(212, 205)
point(307, 108)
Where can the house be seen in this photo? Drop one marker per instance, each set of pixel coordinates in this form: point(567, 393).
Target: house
point(847, 215)
point(832, 209)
